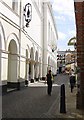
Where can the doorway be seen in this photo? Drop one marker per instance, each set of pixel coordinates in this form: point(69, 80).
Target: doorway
point(12, 64)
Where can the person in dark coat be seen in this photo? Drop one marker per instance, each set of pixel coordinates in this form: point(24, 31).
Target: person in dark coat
point(49, 82)
point(72, 80)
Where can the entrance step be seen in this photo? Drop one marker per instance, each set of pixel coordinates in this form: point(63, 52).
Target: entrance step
point(11, 89)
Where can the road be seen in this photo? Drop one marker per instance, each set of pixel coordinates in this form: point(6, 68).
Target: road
point(33, 101)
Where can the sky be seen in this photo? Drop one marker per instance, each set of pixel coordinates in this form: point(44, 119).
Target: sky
point(63, 11)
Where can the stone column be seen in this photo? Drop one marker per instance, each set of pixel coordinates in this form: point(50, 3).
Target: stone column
point(37, 72)
point(40, 71)
point(32, 71)
point(27, 73)
point(44, 57)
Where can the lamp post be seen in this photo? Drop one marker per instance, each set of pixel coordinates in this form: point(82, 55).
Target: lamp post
point(75, 45)
point(28, 13)
point(53, 47)
point(28, 16)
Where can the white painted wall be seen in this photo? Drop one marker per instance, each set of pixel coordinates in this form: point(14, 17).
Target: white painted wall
point(48, 39)
point(34, 29)
point(32, 36)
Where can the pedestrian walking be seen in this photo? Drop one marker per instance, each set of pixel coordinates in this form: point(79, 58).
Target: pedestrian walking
point(72, 80)
point(49, 82)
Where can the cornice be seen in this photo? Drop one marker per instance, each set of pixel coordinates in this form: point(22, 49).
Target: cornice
point(51, 12)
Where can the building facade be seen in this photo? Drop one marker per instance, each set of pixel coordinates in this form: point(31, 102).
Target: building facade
point(66, 59)
point(61, 58)
point(79, 14)
point(26, 52)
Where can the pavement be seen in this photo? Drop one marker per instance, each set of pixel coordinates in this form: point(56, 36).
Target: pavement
point(71, 110)
point(33, 101)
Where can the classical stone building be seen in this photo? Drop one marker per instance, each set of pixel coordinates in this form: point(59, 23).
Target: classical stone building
point(26, 51)
point(66, 59)
point(79, 14)
point(61, 57)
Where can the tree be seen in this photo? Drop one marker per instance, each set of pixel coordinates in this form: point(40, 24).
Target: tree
point(72, 41)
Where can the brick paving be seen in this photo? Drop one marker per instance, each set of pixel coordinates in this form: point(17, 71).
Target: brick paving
point(33, 101)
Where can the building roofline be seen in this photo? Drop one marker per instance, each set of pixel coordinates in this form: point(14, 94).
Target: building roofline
point(51, 11)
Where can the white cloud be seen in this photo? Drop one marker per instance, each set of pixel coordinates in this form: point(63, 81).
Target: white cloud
point(64, 7)
point(61, 36)
point(60, 18)
point(64, 12)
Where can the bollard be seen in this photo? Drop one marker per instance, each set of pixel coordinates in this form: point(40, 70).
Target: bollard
point(18, 86)
point(26, 83)
point(62, 99)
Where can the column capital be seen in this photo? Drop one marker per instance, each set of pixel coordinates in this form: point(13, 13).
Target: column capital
point(28, 60)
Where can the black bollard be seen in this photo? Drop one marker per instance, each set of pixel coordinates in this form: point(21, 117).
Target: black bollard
point(62, 99)
point(26, 83)
point(18, 86)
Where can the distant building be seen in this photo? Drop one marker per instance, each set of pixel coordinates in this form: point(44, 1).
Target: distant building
point(70, 57)
point(61, 58)
point(66, 58)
